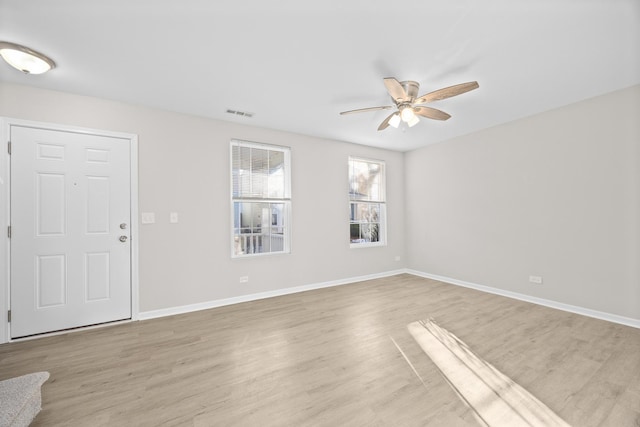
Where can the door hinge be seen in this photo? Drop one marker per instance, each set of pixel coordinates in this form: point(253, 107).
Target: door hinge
point(9, 147)
point(9, 316)
point(9, 231)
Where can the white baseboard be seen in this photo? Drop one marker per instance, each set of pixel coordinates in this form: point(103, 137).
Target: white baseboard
point(170, 311)
point(635, 323)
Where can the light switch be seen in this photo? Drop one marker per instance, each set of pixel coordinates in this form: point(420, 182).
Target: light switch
point(148, 217)
point(173, 217)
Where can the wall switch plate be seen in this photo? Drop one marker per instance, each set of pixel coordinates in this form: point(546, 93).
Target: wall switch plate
point(535, 279)
point(148, 217)
point(244, 279)
point(397, 258)
point(173, 217)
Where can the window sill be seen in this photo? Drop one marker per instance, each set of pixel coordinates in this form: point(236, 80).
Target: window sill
point(261, 254)
point(366, 245)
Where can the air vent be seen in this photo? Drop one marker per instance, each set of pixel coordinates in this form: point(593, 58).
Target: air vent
point(240, 113)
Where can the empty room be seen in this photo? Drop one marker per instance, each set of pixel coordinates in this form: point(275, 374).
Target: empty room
point(338, 213)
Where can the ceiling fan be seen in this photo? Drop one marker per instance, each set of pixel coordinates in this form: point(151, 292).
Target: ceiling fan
point(409, 105)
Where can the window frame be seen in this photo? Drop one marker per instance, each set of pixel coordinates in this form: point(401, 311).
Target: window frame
point(285, 200)
point(382, 204)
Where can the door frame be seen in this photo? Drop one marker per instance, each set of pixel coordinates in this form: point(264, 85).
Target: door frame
point(5, 209)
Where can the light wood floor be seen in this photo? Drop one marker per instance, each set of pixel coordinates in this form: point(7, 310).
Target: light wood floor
point(329, 358)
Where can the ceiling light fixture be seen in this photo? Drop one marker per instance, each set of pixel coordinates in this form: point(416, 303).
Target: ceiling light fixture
point(395, 120)
point(24, 59)
point(408, 116)
point(407, 113)
point(413, 121)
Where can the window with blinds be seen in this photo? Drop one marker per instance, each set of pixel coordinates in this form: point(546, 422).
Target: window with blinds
point(260, 198)
point(367, 202)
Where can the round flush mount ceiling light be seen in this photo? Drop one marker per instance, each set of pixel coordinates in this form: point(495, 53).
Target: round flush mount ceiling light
point(24, 59)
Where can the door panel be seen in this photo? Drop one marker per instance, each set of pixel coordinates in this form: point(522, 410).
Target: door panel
point(50, 204)
point(51, 282)
point(96, 281)
point(69, 194)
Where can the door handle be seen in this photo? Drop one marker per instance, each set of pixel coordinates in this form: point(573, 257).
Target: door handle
point(123, 239)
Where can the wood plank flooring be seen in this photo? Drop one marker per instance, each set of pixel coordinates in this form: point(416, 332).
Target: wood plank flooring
point(330, 357)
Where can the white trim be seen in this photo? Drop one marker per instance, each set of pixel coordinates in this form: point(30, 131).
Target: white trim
point(4, 222)
point(5, 184)
point(366, 245)
point(261, 295)
point(146, 315)
point(135, 279)
point(635, 323)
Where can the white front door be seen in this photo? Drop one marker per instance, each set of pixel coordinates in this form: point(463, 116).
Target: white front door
point(70, 230)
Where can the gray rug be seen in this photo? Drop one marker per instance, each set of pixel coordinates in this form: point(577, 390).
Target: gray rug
point(21, 399)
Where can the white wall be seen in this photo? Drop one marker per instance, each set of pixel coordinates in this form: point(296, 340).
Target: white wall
point(554, 195)
point(184, 167)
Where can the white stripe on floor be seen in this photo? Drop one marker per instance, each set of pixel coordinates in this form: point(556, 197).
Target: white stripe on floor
point(495, 398)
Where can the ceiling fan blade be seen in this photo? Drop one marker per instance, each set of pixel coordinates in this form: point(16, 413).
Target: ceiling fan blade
point(431, 113)
point(395, 89)
point(385, 122)
point(364, 110)
point(446, 92)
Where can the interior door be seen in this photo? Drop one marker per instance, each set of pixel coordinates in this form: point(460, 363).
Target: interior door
point(70, 230)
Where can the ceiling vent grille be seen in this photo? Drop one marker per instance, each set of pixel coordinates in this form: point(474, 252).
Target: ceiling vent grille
point(239, 113)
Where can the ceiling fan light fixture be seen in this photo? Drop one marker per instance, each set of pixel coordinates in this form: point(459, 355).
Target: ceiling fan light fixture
point(395, 120)
point(413, 121)
point(407, 114)
point(24, 59)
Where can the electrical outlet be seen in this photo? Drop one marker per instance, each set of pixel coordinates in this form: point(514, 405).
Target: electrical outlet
point(244, 279)
point(535, 279)
point(397, 258)
point(173, 217)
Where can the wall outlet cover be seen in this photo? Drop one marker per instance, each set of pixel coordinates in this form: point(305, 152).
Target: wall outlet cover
point(148, 217)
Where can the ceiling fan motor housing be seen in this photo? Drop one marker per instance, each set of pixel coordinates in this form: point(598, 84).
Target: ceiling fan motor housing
point(411, 88)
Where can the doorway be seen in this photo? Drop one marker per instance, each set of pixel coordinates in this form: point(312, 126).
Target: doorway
point(72, 225)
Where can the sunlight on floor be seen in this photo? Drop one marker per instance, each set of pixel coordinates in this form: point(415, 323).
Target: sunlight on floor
point(494, 398)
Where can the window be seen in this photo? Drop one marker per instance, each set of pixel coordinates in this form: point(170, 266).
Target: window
point(367, 205)
point(260, 198)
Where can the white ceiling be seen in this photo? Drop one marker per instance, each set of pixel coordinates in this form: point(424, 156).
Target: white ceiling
point(297, 64)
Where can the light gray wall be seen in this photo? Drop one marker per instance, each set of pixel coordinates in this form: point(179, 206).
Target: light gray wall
point(184, 167)
point(554, 195)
